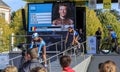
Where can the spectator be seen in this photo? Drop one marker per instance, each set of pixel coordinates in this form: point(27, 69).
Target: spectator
point(10, 69)
point(98, 34)
point(65, 62)
point(80, 39)
point(38, 69)
point(100, 67)
point(109, 66)
point(34, 62)
point(62, 20)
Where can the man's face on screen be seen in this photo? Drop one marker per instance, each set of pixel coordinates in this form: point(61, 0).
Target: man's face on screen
point(62, 11)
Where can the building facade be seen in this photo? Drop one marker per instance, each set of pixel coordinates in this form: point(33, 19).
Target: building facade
point(5, 11)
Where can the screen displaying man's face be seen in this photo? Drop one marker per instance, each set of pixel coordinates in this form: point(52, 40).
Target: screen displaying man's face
point(62, 11)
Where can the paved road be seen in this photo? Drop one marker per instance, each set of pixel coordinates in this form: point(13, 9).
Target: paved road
point(96, 59)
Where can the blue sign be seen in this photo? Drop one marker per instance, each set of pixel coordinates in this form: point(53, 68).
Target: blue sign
point(4, 57)
point(50, 16)
point(91, 46)
point(39, 15)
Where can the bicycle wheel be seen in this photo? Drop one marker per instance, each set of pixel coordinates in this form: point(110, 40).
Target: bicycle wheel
point(105, 48)
point(118, 49)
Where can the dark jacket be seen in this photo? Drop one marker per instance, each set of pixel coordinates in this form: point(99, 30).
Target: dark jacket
point(31, 64)
point(98, 34)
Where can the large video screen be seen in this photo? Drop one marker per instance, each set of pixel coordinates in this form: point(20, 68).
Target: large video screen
point(50, 16)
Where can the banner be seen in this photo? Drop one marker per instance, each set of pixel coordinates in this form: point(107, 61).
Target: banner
point(91, 46)
point(3, 60)
point(92, 4)
point(107, 4)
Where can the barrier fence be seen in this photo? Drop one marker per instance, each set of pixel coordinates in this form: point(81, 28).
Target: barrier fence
point(26, 40)
point(54, 59)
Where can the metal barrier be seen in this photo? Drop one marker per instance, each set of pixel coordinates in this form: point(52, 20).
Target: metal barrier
point(75, 58)
point(55, 58)
point(26, 39)
point(11, 61)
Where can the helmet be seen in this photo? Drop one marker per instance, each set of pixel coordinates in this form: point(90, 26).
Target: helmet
point(109, 27)
point(34, 35)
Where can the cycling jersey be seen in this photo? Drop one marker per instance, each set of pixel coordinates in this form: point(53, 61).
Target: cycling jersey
point(76, 33)
point(38, 44)
point(113, 34)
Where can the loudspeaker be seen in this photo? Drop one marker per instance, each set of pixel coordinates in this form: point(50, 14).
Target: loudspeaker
point(24, 19)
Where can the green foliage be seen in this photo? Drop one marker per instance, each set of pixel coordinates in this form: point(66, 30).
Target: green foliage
point(92, 23)
point(115, 13)
point(98, 11)
point(5, 35)
point(102, 19)
point(17, 23)
point(107, 18)
point(17, 26)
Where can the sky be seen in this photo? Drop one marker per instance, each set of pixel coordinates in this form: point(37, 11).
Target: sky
point(18, 4)
point(15, 4)
point(114, 6)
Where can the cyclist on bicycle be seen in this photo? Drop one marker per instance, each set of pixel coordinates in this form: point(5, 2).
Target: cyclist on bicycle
point(39, 44)
point(112, 34)
point(71, 37)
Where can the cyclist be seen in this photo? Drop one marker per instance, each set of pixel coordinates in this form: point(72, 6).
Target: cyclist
point(71, 37)
point(39, 44)
point(112, 34)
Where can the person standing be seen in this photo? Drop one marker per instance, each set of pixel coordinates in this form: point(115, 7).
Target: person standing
point(10, 69)
point(65, 62)
point(98, 34)
point(80, 39)
point(33, 62)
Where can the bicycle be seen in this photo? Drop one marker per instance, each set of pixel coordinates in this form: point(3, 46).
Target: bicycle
point(109, 46)
point(76, 49)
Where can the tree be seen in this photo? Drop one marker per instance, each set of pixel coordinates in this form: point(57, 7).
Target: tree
point(115, 13)
point(92, 23)
point(108, 18)
point(17, 26)
point(6, 31)
point(98, 11)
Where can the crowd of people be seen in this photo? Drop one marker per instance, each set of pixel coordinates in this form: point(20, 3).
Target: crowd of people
point(65, 61)
point(33, 65)
point(32, 57)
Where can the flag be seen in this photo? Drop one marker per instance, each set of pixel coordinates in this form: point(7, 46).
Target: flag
point(107, 4)
point(33, 28)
